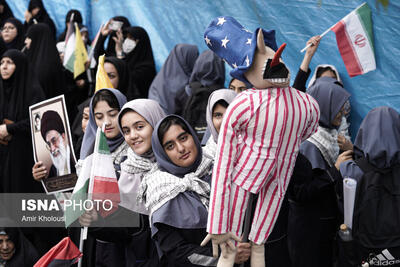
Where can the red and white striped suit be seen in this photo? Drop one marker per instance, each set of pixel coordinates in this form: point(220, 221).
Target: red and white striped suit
point(270, 124)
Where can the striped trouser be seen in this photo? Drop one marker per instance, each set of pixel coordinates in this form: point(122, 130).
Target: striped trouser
point(265, 214)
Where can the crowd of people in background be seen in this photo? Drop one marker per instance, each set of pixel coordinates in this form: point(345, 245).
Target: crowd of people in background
point(162, 129)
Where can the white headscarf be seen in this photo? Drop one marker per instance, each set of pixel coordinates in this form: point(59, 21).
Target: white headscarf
point(135, 166)
point(314, 76)
point(222, 94)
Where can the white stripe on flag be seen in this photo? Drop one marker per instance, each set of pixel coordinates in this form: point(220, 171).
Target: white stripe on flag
point(69, 49)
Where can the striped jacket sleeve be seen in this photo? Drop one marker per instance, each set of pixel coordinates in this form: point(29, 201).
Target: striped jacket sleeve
point(237, 115)
point(312, 125)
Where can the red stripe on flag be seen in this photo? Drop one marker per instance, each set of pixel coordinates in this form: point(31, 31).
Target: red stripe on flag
point(346, 50)
point(64, 250)
point(106, 188)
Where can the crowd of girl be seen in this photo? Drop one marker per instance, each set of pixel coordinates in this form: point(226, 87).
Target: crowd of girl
point(163, 170)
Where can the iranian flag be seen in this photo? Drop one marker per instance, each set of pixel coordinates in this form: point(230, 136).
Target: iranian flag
point(97, 181)
point(104, 183)
point(354, 37)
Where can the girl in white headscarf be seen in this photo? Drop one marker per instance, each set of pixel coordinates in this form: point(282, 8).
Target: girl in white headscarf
point(218, 101)
point(136, 122)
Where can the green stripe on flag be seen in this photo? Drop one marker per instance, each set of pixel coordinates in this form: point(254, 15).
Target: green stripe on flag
point(103, 146)
point(70, 63)
point(364, 15)
point(72, 213)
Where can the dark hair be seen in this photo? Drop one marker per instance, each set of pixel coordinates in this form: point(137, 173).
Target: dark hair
point(231, 82)
point(35, 3)
point(167, 123)
point(77, 16)
point(248, 85)
point(220, 102)
point(323, 69)
point(106, 95)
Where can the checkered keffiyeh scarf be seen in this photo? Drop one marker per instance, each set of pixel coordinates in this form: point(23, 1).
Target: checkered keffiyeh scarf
point(117, 155)
point(158, 187)
point(135, 164)
point(326, 141)
point(211, 147)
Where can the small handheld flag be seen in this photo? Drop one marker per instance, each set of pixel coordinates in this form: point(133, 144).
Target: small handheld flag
point(75, 55)
point(102, 80)
point(355, 40)
point(65, 253)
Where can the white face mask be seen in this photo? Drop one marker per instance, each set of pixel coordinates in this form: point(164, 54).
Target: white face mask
point(128, 45)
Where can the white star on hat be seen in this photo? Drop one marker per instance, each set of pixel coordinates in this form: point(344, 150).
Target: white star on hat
point(248, 41)
point(224, 41)
point(247, 61)
point(234, 65)
point(208, 41)
point(221, 21)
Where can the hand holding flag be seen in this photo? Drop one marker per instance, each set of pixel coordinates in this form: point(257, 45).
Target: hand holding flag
point(97, 181)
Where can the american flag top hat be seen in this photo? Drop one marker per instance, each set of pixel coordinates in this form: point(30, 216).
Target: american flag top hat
point(235, 44)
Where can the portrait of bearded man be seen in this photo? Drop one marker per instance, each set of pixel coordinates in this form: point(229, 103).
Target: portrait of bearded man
point(53, 133)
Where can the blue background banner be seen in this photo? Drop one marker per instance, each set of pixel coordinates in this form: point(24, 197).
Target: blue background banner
point(170, 22)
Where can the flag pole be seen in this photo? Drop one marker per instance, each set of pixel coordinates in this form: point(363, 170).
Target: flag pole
point(94, 43)
point(82, 238)
point(325, 32)
point(84, 231)
point(322, 35)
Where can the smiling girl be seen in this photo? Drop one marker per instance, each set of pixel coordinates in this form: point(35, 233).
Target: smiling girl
point(136, 121)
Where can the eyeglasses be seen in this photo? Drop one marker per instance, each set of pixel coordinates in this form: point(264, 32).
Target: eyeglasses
point(7, 28)
point(53, 141)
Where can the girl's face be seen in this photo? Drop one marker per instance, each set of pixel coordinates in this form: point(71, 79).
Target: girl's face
point(85, 118)
point(103, 113)
point(112, 74)
point(85, 37)
point(237, 86)
point(7, 68)
point(179, 146)
point(217, 116)
point(137, 132)
point(338, 118)
point(9, 32)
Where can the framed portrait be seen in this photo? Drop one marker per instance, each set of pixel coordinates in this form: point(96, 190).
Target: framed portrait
point(52, 144)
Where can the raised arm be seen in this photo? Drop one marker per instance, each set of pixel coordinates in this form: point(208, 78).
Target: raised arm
point(304, 71)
